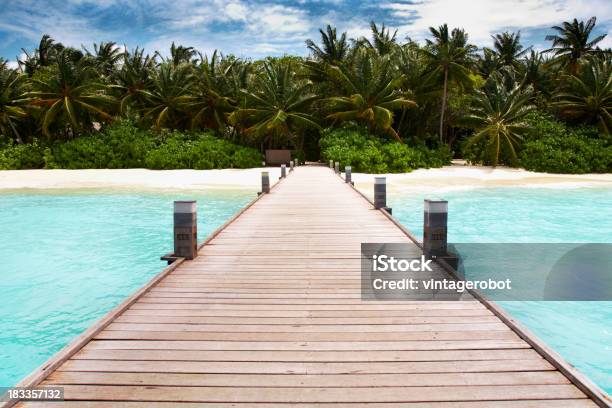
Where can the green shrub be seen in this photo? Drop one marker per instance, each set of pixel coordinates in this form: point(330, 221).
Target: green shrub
point(22, 156)
point(123, 145)
point(553, 147)
point(179, 151)
point(117, 147)
point(368, 154)
point(574, 153)
point(544, 125)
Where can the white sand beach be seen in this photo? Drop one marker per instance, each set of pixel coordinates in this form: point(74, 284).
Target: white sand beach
point(455, 177)
point(135, 179)
point(463, 177)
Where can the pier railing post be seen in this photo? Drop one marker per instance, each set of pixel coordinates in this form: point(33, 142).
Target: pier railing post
point(380, 194)
point(265, 182)
point(337, 167)
point(283, 171)
point(347, 174)
point(435, 220)
point(185, 229)
point(291, 164)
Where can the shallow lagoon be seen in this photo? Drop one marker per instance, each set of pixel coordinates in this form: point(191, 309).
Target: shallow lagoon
point(580, 331)
point(69, 257)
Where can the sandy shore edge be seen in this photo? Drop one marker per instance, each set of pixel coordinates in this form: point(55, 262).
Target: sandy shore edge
point(449, 178)
point(460, 177)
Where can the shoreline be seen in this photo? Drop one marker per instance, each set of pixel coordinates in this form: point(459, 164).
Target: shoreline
point(448, 178)
point(466, 177)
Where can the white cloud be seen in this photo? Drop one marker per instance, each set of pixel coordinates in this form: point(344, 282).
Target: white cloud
point(236, 11)
point(65, 27)
point(482, 18)
point(606, 42)
point(278, 19)
point(12, 64)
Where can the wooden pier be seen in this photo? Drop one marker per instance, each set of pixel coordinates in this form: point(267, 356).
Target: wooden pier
point(269, 315)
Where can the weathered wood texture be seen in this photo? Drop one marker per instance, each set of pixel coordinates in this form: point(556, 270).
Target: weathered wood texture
point(269, 315)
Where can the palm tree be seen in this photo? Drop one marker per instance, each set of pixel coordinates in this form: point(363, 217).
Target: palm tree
point(382, 40)
point(448, 57)
point(43, 56)
point(488, 62)
point(572, 42)
point(507, 47)
point(105, 57)
point(536, 72)
point(497, 116)
point(179, 54)
point(71, 98)
point(12, 101)
point(133, 79)
point(588, 95)
point(371, 91)
point(277, 108)
point(334, 50)
point(167, 99)
point(212, 101)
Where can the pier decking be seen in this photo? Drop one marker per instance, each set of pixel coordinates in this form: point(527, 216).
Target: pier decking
point(269, 315)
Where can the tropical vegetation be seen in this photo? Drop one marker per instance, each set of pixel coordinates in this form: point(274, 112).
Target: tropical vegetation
point(381, 103)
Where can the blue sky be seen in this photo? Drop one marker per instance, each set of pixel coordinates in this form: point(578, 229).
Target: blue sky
point(255, 28)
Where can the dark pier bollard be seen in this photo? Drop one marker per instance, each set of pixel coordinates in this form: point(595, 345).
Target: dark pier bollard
point(291, 164)
point(337, 168)
point(283, 171)
point(380, 194)
point(347, 174)
point(185, 229)
point(265, 182)
point(435, 220)
point(435, 232)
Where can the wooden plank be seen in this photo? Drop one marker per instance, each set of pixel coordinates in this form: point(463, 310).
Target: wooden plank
point(292, 336)
point(326, 314)
point(304, 345)
point(305, 356)
point(263, 367)
point(298, 380)
point(310, 328)
point(558, 403)
point(153, 317)
point(319, 395)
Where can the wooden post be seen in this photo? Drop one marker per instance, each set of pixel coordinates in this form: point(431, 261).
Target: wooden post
point(185, 229)
point(331, 164)
point(347, 174)
point(291, 164)
point(435, 219)
point(380, 192)
point(283, 171)
point(265, 182)
point(337, 168)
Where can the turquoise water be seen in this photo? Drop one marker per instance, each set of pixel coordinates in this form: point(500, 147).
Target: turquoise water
point(68, 258)
point(580, 331)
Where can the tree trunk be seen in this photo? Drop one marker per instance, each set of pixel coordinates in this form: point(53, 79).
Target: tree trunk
point(443, 105)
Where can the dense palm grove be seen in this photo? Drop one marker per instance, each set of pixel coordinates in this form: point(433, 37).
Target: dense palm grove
point(379, 97)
